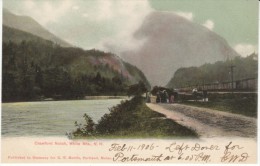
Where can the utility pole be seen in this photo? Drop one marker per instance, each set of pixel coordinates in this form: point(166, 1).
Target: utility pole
point(232, 78)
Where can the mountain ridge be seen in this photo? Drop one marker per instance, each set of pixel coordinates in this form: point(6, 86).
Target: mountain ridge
point(171, 42)
point(218, 72)
point(28, 24)
point(34, 68)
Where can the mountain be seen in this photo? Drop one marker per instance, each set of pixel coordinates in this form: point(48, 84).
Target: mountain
point(172, 42)
point(29, 25)
point(17, 36)
point(35, 68)
point(245, 67)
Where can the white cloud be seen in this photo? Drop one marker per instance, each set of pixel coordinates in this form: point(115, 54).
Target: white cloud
point(29, 4)
point(75, 7)
point(187, 15)
point(45, 11)
point(126, 17)
point(85, 15)
point(117, 21)
point(245, 49)
point(105, 10)
point(209, 24)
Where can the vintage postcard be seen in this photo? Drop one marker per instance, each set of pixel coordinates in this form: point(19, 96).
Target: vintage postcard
point(129, 81)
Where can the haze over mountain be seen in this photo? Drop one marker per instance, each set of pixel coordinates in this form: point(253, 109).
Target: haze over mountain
point(27, 24)
point(17, 36)
point(173, 42)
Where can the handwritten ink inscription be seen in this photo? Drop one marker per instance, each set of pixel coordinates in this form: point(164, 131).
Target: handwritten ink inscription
point(231, 157)
point(186, 152)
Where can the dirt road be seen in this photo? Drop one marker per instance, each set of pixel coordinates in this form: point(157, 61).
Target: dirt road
point(208, 122)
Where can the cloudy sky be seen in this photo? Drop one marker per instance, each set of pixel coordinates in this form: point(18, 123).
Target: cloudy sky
point(110, 25)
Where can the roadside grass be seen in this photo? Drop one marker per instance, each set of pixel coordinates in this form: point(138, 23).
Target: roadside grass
point(133, 119)
point(243, 106)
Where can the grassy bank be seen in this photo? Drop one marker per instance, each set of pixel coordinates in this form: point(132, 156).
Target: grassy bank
point(244, 106)
point(132, 119)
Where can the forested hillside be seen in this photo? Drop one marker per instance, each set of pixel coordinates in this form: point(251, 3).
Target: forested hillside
point(35, 69)
point(244, 67)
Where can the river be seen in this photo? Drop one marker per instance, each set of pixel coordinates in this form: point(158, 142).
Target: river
point(50, 118)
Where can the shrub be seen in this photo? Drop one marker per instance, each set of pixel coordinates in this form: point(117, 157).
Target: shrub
point(87, 129)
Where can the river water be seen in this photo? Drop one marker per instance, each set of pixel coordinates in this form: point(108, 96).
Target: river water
point(50, 118)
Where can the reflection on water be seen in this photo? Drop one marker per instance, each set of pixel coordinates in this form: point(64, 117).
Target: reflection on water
point(51, 118)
